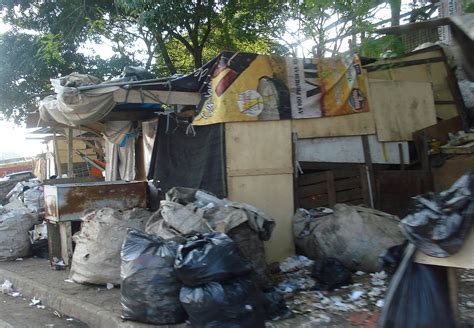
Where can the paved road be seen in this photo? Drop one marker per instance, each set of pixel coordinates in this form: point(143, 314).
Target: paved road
point(16, 312)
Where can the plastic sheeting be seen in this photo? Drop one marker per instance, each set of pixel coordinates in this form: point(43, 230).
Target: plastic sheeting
point(442, 221)
point(120, 151)
point(73, 107)
point(188, 157)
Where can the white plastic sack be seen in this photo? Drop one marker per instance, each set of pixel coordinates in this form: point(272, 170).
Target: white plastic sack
point(357, 236)
point(33, 199)
point(14, 237)
point(96, 259)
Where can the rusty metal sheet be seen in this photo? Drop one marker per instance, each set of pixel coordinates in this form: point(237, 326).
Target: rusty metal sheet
point(68, 202)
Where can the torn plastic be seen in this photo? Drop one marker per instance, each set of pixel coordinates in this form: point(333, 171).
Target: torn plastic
point(208, 258)
point(330, 274)
point(150, 288)
point(443, 220)
point(233, 303)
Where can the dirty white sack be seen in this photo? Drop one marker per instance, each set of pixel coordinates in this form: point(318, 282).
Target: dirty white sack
point(14, 237)
point(96, 259)
point(357, 236)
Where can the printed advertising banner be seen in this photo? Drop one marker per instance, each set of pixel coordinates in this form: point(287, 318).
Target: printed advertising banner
point(249, 87)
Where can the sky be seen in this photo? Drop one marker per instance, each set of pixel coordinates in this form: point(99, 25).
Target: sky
point(13, 142)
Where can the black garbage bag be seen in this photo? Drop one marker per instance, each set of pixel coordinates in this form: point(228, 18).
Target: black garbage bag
point(421, 299)
point(149, 286)
point(330, 274)
point(210, 257)
point(275, 306)
point(39, 248)
point(442, 221)
point(392, 258)
point(235, 303)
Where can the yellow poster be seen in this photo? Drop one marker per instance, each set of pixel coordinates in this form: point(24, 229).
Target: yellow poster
point(249, 87)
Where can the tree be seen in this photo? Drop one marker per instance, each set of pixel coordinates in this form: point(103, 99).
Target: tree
point(192, 23)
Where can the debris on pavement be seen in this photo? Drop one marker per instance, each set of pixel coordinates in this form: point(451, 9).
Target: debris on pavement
point(7, 287)
point(364, 295)
point(34, 301)
point(295, 262)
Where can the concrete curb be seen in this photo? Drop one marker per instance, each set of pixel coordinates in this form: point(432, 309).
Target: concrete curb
point(88, 313)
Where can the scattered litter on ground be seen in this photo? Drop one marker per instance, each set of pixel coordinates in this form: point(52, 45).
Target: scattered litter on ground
point(35, 301)
point(19, 259)
point(16, 294)
point(110, 286)
point(69, 280)
point(363, 296)
point(58, 264)
point(294, 263)
point(7, 287)
point(356, 294)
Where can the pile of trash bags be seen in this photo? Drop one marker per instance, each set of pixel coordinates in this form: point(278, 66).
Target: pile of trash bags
point(96, 258)
point(206, 279)
point(354, 235)
point(442, 221)
point(191, 211)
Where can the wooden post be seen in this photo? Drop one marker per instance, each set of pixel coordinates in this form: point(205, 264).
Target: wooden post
point(70, 145)
point(370, 171)
point(402, 158)
point(57, 158)
point(331, 188)
point(66, 241)
point(140, 159)
point(453, 294)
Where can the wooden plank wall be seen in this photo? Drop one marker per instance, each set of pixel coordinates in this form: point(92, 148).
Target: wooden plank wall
point(424, 66)
point(327, 188)
point(400, 108)
point(259, 165)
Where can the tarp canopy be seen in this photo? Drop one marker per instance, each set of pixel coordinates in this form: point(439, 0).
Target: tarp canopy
point(234, 86)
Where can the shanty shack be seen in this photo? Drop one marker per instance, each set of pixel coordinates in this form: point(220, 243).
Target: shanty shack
point(275, 132)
